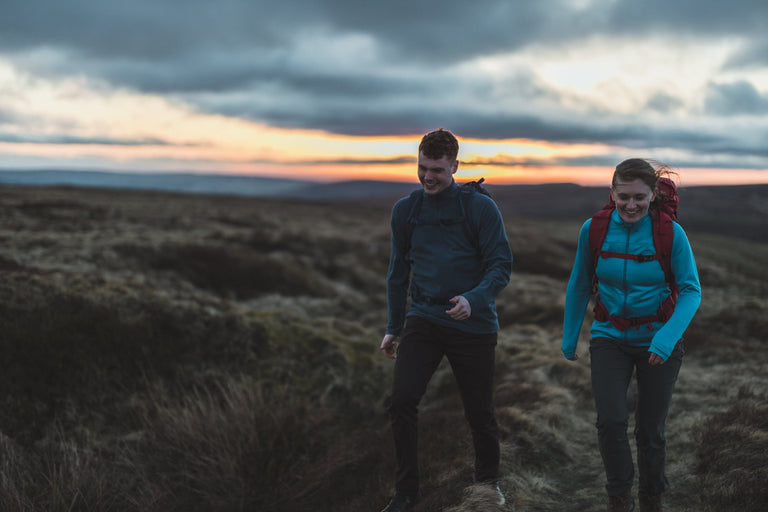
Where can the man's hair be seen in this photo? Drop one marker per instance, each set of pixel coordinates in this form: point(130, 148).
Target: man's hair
point(438, 144)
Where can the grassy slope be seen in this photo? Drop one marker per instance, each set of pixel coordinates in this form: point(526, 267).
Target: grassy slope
point(166, 352)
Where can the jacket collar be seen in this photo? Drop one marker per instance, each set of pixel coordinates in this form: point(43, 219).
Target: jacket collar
point(616, 219)
point(449, 193)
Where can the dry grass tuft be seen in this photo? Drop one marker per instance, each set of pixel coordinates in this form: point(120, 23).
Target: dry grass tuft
point(732, 456)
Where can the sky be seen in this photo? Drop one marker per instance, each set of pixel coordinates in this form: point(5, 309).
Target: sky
point(536, 90)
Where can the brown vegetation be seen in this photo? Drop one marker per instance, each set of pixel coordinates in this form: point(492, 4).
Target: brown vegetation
point(165, 352)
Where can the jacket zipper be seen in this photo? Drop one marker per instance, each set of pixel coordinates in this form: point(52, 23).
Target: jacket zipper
point(624, 280)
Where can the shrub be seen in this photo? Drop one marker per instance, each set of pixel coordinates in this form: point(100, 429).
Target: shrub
point(230, 271)
point(69, 352)
point(244, 445)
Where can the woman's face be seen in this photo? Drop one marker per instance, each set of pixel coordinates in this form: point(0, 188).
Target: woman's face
point(632, 198)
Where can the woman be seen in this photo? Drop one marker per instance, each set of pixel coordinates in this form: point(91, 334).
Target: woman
point(637, 326)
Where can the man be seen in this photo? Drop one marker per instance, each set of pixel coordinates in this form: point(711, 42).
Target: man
point(450, 251)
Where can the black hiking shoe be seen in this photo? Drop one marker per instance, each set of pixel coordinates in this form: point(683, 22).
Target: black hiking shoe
point(649, 502)
point(400, 503)
point(621, 502)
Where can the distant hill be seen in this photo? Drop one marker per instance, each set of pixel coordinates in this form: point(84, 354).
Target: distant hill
point(737, 210)
point(169, 182)
point(733, 210)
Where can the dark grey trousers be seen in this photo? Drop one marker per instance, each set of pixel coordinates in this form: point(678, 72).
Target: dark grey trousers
point(612, 367)
point(472, 357)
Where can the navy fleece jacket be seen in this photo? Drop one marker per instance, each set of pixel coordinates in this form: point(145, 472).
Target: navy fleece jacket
point(448, 254)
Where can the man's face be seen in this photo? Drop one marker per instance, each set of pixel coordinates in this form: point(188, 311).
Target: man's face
point(436, 175)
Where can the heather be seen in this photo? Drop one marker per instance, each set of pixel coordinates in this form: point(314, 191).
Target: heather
point(164, 352)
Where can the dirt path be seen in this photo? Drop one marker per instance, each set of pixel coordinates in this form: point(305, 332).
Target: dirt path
point(698, 395)
point(565, 406)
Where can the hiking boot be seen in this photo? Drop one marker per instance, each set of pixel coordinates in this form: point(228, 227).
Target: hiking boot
point(621, 502)
point(649, 502)
point(400, 503)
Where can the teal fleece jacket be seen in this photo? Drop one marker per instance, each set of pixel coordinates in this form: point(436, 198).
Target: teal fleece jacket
point(631, 289)
point(449, 254)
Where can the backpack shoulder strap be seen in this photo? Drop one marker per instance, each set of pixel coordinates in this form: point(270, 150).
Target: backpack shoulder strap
point(663, 237)
point(415, 200)
point(598, 228)
point(469, 189)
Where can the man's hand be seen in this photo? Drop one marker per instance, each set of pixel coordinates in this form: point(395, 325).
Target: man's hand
point(461, 309)
point(389, 346)
point(574, 358)
point(655, 359)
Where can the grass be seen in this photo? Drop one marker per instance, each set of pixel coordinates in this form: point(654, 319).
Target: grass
point(732, 455)
point(165, 353)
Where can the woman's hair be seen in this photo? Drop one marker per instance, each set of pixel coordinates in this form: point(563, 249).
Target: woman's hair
point(648, 171)
point(438, 144)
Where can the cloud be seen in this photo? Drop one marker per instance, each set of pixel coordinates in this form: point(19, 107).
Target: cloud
point(699, 17)
point(403, 67)
point(664, 103)
point(6, 116)
point(70, 140)
point(737, 98)
point(341, 161)
point(754, 55)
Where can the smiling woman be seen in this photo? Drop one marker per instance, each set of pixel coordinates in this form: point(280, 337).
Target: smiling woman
point(642, 272)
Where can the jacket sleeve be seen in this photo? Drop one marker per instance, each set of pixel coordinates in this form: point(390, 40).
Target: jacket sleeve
point(687, 278)
point(495, 253)
point(398, 275)
point(578, 293)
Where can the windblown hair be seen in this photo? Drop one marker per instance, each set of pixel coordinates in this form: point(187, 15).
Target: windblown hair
point(438, 144)
point(648, 171)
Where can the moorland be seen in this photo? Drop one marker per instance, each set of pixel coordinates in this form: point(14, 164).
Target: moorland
point(170, 352)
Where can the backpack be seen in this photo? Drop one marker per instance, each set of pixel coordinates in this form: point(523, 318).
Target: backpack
point(663, 214)
point(417, 197)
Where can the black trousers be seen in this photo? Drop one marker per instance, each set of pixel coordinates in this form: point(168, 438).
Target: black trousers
point(612, 366)
point(422, 346)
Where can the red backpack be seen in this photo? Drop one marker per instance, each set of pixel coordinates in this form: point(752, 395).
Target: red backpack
point(663, 214)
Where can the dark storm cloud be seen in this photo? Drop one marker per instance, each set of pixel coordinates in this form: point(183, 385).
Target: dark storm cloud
point(754, 55)
point(142, 29)
point(69, 139)
point(163, 29)
point(341, 161)
point(700, 17)
point(739, 98)
point(163, 32)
